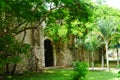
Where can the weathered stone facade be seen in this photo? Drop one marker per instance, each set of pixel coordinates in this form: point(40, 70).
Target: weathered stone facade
point(37, 59)
point(64, 57)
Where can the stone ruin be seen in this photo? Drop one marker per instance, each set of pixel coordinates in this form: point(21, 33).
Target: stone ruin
point(43, 52)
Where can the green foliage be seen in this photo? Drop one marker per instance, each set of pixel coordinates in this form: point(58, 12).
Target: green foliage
point(118, 74)
point(106, 27)
point(62, 32)
point(24, 9)
point(80, 70)
point(11, 50)
point(68, 20)
point(92, 42)
point(78, 28)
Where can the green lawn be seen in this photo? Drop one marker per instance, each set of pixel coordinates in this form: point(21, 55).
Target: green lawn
point(101, 75)
point(62, 74)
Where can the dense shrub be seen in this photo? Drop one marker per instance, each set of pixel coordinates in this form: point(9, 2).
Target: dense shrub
point(80, 70)
point(118, 74)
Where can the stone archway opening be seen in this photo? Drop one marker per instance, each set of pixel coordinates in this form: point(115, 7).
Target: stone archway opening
point(48, 53)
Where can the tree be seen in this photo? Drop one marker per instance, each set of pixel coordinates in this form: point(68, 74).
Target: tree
point(105, 16)
point(115, 43)
point(11, 51)
point(106, 29)
point(92, 44)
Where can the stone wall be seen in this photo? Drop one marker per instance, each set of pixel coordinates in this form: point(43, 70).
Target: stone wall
point(35, 59)
point(64, 57)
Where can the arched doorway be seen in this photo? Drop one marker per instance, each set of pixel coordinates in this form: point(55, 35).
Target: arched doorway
point(48, 53)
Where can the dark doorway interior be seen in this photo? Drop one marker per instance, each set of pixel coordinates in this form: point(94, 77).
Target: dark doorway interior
point(48, 53)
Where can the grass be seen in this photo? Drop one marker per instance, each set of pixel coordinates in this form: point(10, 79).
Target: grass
point(56, 74)
point(63, 74)
point(101, 75)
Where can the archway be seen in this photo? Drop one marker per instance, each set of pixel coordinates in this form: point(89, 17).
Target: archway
point(48, 53)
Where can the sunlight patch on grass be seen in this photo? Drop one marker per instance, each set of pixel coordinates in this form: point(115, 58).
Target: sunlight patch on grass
point(63, 71)
point(66, 74)
point(49, 71)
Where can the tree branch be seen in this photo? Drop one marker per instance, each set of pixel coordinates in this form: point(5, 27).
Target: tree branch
point(24, 34)
point(28, 28)
point(44, 17)
point(39, 23)
point(18, 26)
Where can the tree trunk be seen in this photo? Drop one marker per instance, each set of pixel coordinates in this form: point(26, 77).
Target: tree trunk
point(107, 57)
point(102, 59)
point(117, 57)
point(88, 59)
point(7, 69)
point(14, 69)
point(82, 53)
point(92, 54)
